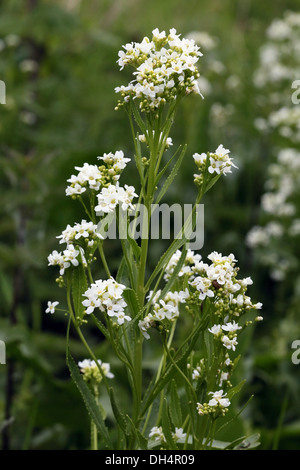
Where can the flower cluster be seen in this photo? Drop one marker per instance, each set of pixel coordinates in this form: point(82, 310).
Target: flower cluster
point(91, 371)
point(273, 236)
point(86, 231)
point(218, 282)
point(112, 196)
point(279, 55)
point(279, 206)
point(229, 339)
point(156, 434)
point(165, 67)
point(279, 68)
point(217, 163)
point(286, 121)
point(198, 371)
point(107, 296)
point(71, 256)
point(94, 177)
point(166, 308)
point(80, 240)
point(88, 176)
point(190, 260)
point(217, 405)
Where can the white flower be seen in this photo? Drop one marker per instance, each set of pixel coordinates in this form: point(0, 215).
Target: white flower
point(65, 259)
point(219, 399)
point(156, 433)
point(231, 326)
point(229, 343)
point(224, 377)
point(115, 160)
point(84, 229)
point(88, 365)
point(55, 258)
point(203, 285)
point(121, 317)
point(215, 329)
point(91, 303)
point(157, 35)
point(51, 307)
point(107, 296)
point(88, 176)
point(196, 373)
point(178, 434)
point(219, 162)
point(75, 189)
point(144, 325)
point(110, 197)
point(70, 258)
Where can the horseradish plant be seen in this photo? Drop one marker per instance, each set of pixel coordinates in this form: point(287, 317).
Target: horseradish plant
point(181, 405)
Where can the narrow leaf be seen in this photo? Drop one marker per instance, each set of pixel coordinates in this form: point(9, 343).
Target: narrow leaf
point(175, 407)
point(120, 417)
point(79, 286)
point(89, 401)
point(142, 441)
point(234, 390)
point(162, 172)
point(171, 176)
point(131, 299)
point(167, 429)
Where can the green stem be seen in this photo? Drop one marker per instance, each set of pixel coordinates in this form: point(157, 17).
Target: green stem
point(103, 259)
point(89, 214)
point(159, 371)
point(94, 436)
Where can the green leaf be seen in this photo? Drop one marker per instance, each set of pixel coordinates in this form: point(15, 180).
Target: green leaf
point(131, 299)
point(249, 443)
point(142, 441)
point(167, 428)
point(238, 444)
point(79, 286)
point(101, 327)
point(137, 116)
point(89, 401)
point(175, 407)
point(171, 176)
point(180, 359)
point(122, 274)
point(234, 390)
point(211, 183)
point(120, 417)
point(164, 169)
point(181, 239)
point(135, 247)
point(165, 258)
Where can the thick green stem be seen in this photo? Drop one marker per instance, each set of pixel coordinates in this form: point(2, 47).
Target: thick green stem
point(94, 436)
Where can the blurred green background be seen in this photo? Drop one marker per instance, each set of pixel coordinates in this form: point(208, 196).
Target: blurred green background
point(58, 61)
